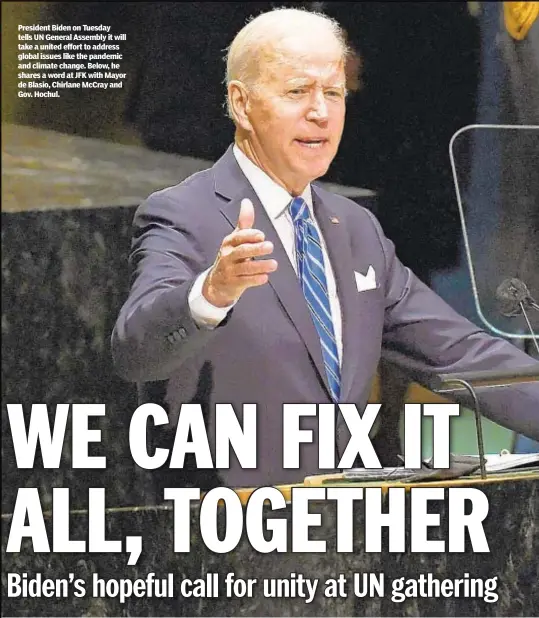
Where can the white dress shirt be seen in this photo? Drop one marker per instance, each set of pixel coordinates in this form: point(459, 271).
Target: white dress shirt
point(275, 200)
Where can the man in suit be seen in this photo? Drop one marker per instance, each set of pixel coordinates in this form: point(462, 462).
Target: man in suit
point(252, 284)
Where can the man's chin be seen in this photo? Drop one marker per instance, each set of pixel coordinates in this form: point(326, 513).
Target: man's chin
point(304, 174)
point(317, 171)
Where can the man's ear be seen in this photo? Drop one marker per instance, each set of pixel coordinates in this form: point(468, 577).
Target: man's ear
point(238, 100)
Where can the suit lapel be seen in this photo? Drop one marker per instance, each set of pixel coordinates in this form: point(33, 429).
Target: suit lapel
point(284, 281)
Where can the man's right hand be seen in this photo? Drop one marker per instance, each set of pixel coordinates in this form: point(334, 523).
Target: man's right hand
point(234, 269)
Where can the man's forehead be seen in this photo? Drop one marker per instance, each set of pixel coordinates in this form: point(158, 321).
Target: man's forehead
point(303, 68)
point(294, 58)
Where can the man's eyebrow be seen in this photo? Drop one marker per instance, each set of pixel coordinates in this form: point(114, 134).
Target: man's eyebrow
point(293, 80)
point(312, 80)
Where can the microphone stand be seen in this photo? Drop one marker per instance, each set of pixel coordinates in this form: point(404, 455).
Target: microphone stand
point(473, 379)
point(444, 383)
point(534, 305)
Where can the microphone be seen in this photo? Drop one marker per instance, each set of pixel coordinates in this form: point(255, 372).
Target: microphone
point(513, 299)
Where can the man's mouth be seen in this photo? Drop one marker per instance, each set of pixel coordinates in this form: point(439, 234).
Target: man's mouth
point(312, 143)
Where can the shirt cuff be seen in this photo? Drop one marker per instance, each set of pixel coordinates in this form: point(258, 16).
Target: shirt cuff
point(204, 313)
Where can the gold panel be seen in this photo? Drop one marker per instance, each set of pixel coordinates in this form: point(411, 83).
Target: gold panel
point(519, 17)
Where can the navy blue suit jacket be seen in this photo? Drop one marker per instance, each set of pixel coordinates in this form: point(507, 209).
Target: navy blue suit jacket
point(267, 351)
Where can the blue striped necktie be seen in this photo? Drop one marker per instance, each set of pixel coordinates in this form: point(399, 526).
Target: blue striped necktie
point(312, 275)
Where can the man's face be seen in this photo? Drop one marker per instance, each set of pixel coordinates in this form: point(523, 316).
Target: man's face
point(297, 110)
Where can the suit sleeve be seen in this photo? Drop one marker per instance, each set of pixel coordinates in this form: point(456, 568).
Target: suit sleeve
point(434, 337)
point(155, 332)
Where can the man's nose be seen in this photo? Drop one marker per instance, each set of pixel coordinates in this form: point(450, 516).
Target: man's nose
point(319, 108)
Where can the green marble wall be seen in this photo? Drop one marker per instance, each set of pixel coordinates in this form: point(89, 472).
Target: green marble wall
point(64, 278)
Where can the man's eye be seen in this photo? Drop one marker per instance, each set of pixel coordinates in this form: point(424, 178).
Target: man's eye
point(334, 93)
point(297, 91)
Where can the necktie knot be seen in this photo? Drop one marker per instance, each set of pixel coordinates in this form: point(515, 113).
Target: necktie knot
point(299, 210)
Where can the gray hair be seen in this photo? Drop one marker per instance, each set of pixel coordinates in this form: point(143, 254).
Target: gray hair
point(243, 54)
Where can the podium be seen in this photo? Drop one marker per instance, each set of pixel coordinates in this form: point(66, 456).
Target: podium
point(510, 528)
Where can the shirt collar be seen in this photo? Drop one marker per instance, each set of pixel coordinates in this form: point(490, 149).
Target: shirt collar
point(275, 199)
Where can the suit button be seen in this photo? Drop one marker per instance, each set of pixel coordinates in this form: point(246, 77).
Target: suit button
point(170, 338)
point(183, 332)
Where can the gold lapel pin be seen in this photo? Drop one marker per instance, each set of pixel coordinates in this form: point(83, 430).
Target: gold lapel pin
point(334, 220)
